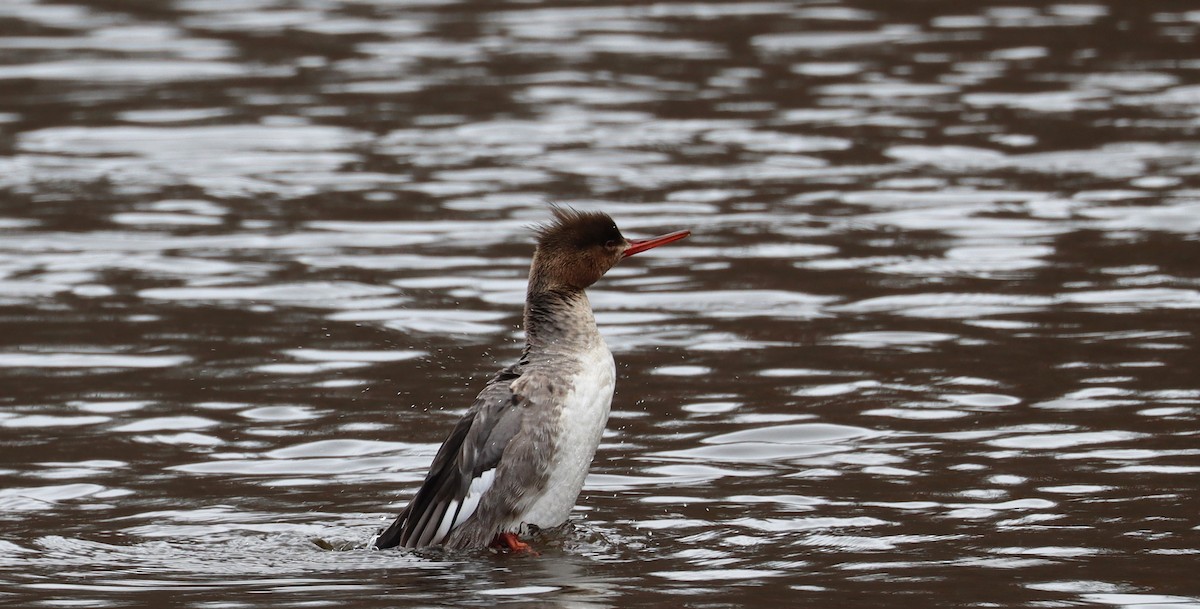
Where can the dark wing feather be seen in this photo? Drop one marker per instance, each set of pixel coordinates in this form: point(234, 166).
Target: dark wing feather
point(473, 447)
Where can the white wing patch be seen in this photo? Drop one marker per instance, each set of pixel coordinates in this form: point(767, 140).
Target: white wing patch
point(479, 486)
point(444, 528)
point(457, 514)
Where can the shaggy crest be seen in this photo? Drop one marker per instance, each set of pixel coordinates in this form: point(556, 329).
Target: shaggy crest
point(578, 229)
point(574, 249)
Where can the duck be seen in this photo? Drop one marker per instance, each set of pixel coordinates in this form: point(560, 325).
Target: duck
point(516, 462)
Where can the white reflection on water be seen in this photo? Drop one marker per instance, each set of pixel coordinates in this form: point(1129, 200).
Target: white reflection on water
point(90, 360)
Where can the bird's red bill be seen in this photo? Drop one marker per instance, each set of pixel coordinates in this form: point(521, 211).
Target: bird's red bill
point(637, 246)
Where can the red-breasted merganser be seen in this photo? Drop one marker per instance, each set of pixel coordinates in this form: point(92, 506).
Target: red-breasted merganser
point(519, 456)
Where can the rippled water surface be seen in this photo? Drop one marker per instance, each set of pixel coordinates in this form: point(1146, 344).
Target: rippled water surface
point(932, 342)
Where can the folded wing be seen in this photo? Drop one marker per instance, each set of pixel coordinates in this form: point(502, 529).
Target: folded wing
point(463, 470)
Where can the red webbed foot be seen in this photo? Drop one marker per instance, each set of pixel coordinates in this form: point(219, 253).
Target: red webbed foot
point(512, 543)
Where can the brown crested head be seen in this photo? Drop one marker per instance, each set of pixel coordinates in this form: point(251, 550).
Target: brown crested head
point(575, 249)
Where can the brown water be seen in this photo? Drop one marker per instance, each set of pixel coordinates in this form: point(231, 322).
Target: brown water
point(932, 343)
